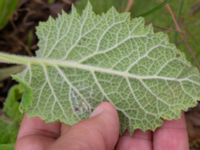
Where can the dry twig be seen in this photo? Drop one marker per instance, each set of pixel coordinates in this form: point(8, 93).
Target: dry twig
point(129, 5)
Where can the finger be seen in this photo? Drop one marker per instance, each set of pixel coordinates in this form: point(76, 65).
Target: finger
point(99, 132)
point(64, 129)
point(172, 135)
point(36, 126)
point(36, 134)
point(139, 141)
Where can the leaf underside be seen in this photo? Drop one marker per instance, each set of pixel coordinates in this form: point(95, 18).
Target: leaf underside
point(86, 59)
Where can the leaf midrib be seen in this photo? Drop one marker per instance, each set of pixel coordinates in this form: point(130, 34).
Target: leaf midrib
point(24, 60)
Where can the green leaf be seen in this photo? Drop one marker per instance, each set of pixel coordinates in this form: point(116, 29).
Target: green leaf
point(6, 72)
point(10, 118)
point(8, 131)
point(11, 105)
point(7, 146)
point(155, 13)
point(7, 8)
point(101, 6)
point(85, 59)
point(162, 20)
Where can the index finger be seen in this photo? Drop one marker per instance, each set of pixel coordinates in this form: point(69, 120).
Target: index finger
point(34, 134)
point(36, 126)
point(172, 136)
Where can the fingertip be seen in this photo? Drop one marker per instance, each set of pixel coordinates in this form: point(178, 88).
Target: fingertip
point(34, 130)
point(172, 135)
point(100, 131)
point(36, 126)
point(139, 134)
point(108, 117)
point(139, 140)
point(64, 129)
point(177, 123)
point(104, 107)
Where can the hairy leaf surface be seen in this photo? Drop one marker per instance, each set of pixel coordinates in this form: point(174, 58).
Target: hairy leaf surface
point(86, 59)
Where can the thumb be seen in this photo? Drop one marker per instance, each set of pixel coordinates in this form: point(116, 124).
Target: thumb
point(99, 132)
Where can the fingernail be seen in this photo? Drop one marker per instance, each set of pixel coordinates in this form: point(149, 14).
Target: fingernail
point(98, 110)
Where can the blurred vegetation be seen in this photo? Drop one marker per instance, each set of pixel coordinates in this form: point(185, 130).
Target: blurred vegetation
point(10, 118)
point(7, 8)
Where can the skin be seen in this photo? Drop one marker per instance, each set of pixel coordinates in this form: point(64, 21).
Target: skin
point(99, 132)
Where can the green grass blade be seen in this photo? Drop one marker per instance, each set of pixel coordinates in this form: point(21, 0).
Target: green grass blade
point(159, 6)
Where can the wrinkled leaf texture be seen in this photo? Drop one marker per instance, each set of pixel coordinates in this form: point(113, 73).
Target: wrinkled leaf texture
point(86, 59)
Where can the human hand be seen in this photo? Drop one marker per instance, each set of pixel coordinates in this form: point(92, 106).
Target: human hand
point(99, 132)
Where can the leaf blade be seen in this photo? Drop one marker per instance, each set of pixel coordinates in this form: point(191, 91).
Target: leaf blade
point(85, 59)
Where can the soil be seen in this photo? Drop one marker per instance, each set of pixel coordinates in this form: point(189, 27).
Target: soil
point(18, 37)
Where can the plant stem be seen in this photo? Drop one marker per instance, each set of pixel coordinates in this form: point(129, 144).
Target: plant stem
point(181, 4)
point(14, 59)
point(6, 58)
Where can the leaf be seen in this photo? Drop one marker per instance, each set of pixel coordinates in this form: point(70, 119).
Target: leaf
point(6, 72)
point(83, 60)
point(155, 13)
point(11, 105)
point(8, 132)
point(7, 146)
point(162, 20)
point(101, 6)
point(7, 8)
point(10, 118)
